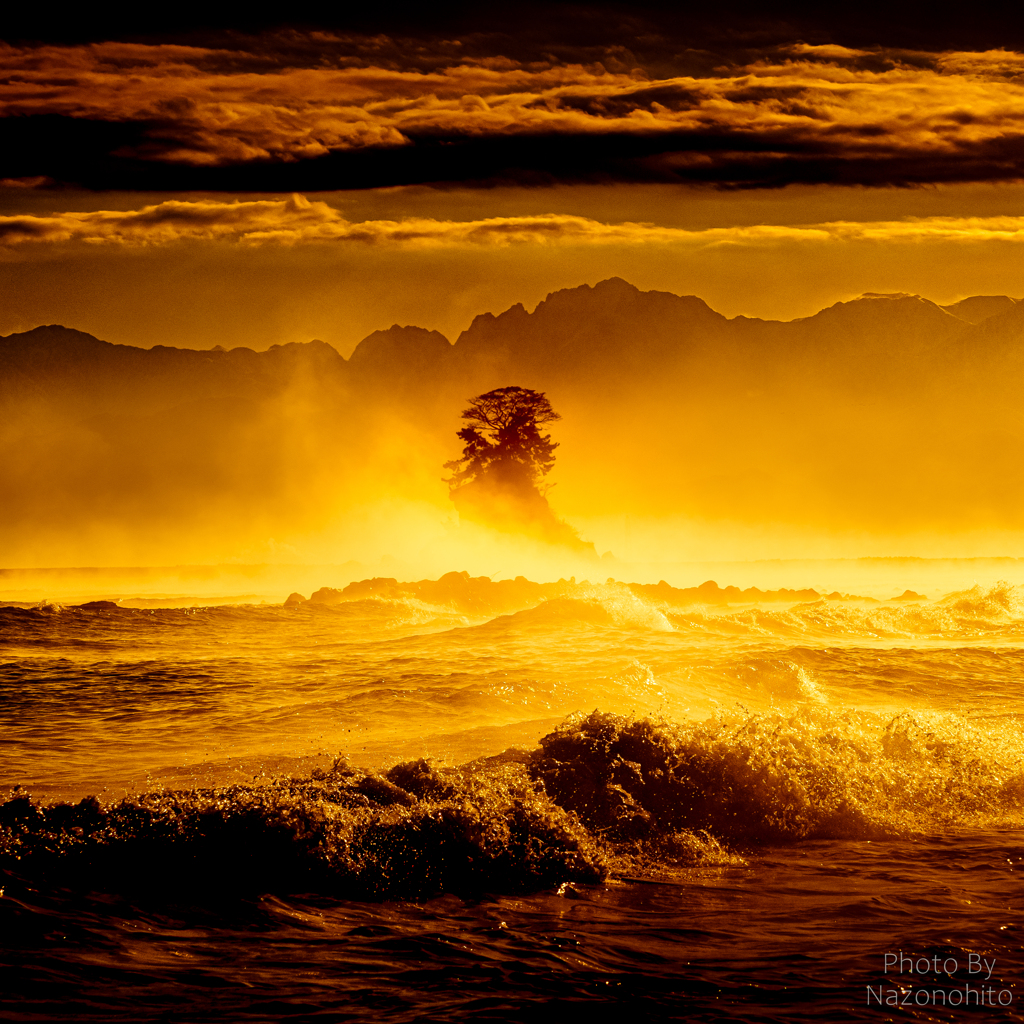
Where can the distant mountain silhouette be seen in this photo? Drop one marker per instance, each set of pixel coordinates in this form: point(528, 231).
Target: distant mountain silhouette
point(580, 335)
point(94, 375)
point(608, 335)
point(980, 307)
point(406, 353)
point(884, 408)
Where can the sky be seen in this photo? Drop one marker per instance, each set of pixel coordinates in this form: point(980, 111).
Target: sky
point(266, 180)
point(327, 178)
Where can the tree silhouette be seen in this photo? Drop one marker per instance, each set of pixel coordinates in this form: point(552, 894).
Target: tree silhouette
point(496, 479)
point(504, 445)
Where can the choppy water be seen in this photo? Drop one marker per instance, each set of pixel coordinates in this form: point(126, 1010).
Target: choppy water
point(769, 801)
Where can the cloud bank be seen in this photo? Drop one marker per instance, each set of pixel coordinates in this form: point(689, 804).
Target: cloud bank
point(297, 221)
point(341, 112)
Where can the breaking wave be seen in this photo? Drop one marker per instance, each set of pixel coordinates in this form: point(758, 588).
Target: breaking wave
point(601, 794)
point(458, 599)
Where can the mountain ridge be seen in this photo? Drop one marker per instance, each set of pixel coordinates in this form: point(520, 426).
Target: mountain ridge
point(614, 288)
point(607, 338)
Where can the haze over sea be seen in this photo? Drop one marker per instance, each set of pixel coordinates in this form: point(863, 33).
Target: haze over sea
point(778, 789)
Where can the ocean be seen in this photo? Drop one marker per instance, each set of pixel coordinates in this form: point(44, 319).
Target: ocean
point(480, 800)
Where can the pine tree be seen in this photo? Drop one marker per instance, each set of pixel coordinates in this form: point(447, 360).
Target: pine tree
point(503, 443)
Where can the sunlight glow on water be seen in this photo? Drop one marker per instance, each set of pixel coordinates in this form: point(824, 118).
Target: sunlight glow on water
point(816, 771)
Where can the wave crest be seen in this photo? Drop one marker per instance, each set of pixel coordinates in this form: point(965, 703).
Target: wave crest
point(343, 831)
point(601, 793)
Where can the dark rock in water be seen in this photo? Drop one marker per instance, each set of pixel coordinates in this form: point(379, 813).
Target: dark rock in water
point(98, 606)
point(293, 600)
point(480, 595)
point(379, 586)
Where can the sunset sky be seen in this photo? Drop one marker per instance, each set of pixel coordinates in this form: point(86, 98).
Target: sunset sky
point(270, 183)
point(254, 183)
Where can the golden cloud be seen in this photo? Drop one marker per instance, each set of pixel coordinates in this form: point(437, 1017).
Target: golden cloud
point(204, 107)
point(297, 220)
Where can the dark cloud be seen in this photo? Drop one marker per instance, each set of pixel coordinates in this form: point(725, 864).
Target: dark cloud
point(650, 98)
point(532, 27)
point(320, 110)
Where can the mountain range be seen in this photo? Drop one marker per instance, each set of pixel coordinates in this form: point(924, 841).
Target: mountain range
point(887, 407)
point(611, 335)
